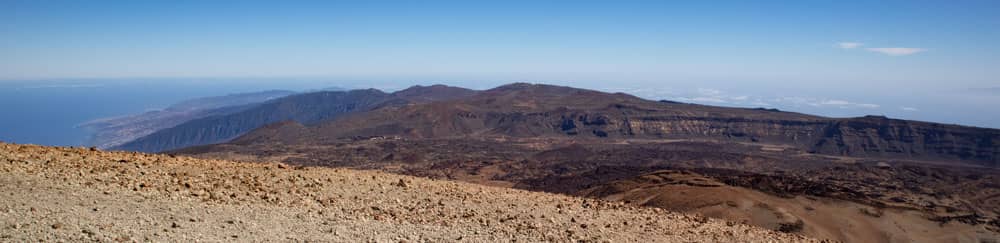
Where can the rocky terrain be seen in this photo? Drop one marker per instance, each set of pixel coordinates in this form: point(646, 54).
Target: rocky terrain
point(79, 194)
point(816, 216)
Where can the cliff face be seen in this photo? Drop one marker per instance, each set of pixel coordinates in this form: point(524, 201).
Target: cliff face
point(861, 137)
point(881, 137)
point(864, 137)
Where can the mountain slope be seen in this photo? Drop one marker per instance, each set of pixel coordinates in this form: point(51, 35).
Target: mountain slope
point(66, 194)
point(305, 108)
point(821, 218)
point(110, 132)
point(310, 107)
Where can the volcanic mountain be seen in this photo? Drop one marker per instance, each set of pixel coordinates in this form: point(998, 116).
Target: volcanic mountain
point(903, 181)
point(532, 111)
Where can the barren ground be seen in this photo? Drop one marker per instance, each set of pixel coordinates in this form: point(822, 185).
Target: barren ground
point(73, 194)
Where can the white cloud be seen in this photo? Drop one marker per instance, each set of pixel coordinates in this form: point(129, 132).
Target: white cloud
point(760, 103)
point(849, 45)
point(908, 108)
point(64, 86)
point(897, 51)
point(866, 105)
point(709, 92)
point(807, 101)
point(708, 95)
point(834, 102)
point(707, 99)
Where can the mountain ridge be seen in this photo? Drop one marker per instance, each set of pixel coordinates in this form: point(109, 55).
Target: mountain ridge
point(115, 131)
point(527, 110)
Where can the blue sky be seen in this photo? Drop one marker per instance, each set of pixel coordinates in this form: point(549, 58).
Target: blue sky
point(839, 55)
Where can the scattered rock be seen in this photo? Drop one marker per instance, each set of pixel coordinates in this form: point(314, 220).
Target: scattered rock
point(177, 190)
point(790, 227)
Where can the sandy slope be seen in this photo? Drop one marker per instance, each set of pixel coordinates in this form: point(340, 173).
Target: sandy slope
point(822, 218)
point(52, 193)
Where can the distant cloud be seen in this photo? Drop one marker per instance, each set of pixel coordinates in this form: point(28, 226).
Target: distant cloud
point(807, 101)
point(849, 45)
point(869, 106)
point(645, 92)
point(891, 51)
point(834, 102)
point(64, 86)
point(706, 99)
point(712, 92)
point(908, 108)
point(897, 51)
point(706, 95)
point(711, 96)
point(992, 91)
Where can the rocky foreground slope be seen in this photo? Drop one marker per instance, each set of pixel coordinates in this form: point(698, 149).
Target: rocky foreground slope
point(74, 194)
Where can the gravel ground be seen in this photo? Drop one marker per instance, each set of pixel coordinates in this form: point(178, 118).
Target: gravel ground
point(79, 194)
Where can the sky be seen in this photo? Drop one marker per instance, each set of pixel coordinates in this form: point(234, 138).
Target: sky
point(930, 60)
